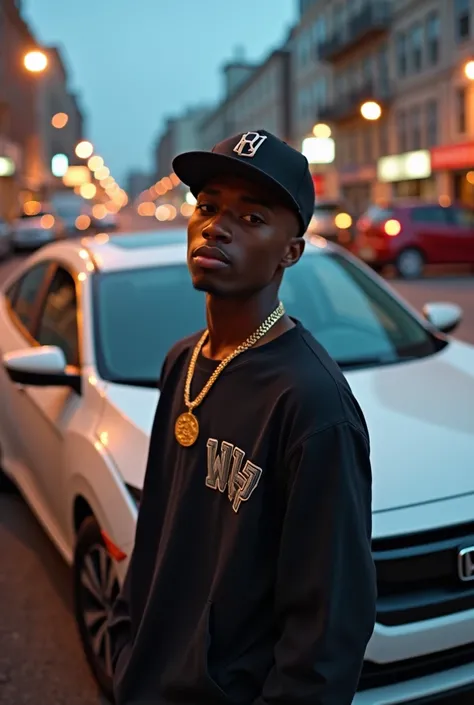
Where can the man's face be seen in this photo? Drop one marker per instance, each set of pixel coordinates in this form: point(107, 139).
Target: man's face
point(240, 239)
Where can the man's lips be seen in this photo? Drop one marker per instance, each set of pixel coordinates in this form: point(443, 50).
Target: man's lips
point(210, 257)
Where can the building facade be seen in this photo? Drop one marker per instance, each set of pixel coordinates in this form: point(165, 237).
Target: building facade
point(28, 102)
point(409, 58)
point(181, 134)
point(256, 97)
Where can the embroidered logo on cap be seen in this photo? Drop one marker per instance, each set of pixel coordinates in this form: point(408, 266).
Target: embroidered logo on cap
point(249, 144)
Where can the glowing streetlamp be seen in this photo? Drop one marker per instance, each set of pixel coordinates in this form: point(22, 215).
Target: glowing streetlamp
point(84, 149)
point(35, 61)
point(469, 70)
point(371, 110)
point(322, 131)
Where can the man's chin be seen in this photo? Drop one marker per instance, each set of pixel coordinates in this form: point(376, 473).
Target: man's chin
point(210, 287)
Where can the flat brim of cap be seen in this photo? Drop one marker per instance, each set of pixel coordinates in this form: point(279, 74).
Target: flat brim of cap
point(197, 169)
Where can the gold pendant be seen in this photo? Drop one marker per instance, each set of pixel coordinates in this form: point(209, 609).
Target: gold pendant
point(186, 429)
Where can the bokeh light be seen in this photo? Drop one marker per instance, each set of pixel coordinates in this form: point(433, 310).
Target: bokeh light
point(95, 162)
point(83, 222)
point(47, 221)
point(59, 120)
point(88, 191)
point(35, 61)
point(84, 149)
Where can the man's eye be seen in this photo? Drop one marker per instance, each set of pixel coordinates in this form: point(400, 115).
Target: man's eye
point(205, 208)
point(253, 219)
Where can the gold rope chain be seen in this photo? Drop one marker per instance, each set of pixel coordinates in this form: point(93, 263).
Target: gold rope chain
point(251, 340)
point(186, 429)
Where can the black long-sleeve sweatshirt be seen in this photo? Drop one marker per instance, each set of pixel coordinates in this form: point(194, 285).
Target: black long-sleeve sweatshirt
point(252, 580)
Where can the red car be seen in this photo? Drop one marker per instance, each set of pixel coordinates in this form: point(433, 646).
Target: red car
point(412, 235)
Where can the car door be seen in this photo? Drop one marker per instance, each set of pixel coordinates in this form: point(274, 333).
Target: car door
point(19, 307)
point(47, 411)
point(462, 219)
point(434, 232)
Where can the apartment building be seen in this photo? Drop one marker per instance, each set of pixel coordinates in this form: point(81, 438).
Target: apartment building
point(409, 57)
point(181, 134)
point(310, 86)
point(433, 112)
point(255, 97)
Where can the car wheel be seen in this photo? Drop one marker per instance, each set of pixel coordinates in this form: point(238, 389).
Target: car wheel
point(410, 263)
point(96, 588)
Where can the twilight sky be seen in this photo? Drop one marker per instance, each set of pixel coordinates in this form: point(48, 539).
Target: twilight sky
point(135, 62)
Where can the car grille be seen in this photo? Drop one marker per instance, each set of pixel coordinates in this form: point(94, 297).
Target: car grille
point(379, 675)
point(417, 575)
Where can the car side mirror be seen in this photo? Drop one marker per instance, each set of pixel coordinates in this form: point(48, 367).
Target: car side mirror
point(443, 316)
point(43, 366)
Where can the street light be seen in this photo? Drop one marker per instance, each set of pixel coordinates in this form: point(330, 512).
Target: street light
point(371, 110)
point(35, 61)
point(469, 70)
point(84, 149)
point(322, 131)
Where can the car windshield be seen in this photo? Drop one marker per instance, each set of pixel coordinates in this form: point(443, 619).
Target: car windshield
point(141, 313)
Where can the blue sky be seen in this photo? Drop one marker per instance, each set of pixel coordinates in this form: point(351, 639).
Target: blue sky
point(134, 62)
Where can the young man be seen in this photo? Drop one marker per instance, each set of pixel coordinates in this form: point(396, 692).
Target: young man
point(252, 581)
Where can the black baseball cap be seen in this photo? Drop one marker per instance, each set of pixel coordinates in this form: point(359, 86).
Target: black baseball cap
point(257, 155)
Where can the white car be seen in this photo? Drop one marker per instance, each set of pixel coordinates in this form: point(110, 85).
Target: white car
point(84, 328)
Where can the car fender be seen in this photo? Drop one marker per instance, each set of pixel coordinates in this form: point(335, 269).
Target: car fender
point(94, 477)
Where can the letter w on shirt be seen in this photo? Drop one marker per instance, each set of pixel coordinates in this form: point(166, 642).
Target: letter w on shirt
point(224, 471)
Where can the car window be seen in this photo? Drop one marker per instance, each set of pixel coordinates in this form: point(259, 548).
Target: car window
point(430, 214)
point(462, 217)
point(379, 215)
point(24, 294)
point(140, 314)
point(58, 321)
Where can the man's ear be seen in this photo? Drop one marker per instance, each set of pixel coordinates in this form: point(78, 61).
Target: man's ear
point(293, 252)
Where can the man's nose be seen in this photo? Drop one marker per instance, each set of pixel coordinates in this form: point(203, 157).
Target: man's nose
point(218, 230)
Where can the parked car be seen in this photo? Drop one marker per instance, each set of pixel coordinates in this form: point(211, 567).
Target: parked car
point(84, 329)
point(332, 221)
point(109, 223)
point(411, 235)
point(5, 239)
point(32, 231)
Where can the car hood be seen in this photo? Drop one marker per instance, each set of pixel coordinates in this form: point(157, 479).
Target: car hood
point(420, 417)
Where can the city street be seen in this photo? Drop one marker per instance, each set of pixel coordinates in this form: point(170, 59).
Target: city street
point(41, 661)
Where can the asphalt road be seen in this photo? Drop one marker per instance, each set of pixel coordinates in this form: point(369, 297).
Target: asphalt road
point(41, 662)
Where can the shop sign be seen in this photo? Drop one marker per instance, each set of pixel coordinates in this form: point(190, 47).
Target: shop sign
point(404, 167)
point(453, 156)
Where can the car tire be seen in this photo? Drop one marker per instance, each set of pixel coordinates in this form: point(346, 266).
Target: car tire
point(96, 587)
point(410, 263)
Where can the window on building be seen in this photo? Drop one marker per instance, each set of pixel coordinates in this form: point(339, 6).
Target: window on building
point(416, 131)
point(383, 74)
point(368, 143)
point(433, 36)
point(416, 47)
point(383, 138)
point(401, 131)
point(432, 123)
point(461, 118)
point(319, 34)
point(401, 49)
point(462, 19)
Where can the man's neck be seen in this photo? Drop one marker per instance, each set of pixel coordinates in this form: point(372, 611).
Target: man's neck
point(231, 321)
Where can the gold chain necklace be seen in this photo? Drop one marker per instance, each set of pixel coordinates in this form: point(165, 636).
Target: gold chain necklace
point(186, 428)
